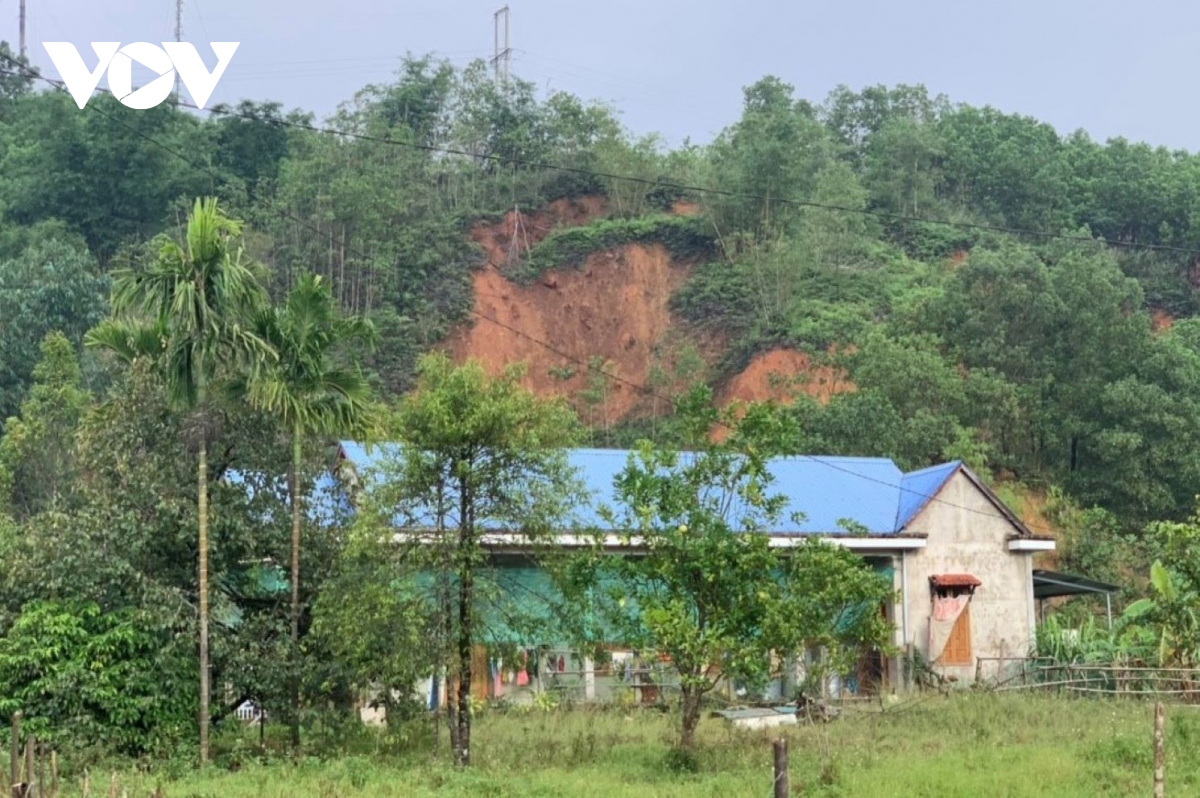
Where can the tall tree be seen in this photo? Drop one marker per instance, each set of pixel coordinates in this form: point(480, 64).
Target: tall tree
point(36, 450)
point(478, 454)
point(189, 310)
point(698, 579)
point(53, 285)
point(310, 393)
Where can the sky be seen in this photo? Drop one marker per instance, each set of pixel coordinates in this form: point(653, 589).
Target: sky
point(678, 68)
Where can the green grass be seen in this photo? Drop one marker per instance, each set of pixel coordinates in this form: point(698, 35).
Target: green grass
point(970, 745)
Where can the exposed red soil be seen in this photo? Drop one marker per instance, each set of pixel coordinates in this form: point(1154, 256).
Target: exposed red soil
point(780, 375)
point(520, 230)
point(685, 208)
point(1161, 320)
point(614, 306)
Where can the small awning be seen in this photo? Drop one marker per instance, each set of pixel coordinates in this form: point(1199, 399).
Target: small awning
point(1051, 584)
point(955, 580)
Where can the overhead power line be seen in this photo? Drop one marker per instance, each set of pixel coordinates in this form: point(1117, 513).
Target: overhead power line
point(644, 389)
point(668, 184)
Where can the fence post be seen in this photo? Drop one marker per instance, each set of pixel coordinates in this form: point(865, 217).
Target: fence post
point(53, 774)
point(1159, 756)
point(781, 768)
point(15, 746)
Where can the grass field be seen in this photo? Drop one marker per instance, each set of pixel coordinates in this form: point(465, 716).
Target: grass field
point(971, 745)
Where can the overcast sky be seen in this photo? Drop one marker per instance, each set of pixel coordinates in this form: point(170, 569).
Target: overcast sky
point(1113, 69)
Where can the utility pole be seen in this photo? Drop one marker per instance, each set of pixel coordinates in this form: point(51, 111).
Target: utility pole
point(178, 38)
point(506, 52)
point(22, 28)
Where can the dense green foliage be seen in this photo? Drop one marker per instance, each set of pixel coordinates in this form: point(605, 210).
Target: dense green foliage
point(686, 238)
point(875, 231)
point(701, 591)
point(90, 678)
point(476, 454)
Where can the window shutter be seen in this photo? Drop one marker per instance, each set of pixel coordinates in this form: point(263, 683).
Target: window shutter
point(958, 647)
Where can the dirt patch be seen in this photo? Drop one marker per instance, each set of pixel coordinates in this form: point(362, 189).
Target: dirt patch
point(685, 208)
point(781, 374)
point(1161, 320)
point(510, 239)
point(614, 307)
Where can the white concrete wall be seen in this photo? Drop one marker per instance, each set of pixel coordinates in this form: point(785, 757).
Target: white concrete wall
point(974, 541)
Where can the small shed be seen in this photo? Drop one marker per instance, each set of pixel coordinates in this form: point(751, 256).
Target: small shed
point(1055, 584)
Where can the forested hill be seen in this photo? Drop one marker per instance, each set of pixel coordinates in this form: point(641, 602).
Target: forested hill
point(949, 281)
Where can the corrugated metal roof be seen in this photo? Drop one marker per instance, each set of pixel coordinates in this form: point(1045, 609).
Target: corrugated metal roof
point(824, 491)
point(918, 487)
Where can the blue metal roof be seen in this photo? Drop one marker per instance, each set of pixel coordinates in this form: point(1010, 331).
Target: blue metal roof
point(918, 487)
point(825, 491)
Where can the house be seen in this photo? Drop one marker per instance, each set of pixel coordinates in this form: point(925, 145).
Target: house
point(961, 562)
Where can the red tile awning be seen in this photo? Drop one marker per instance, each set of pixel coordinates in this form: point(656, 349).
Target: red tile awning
point(955, 580)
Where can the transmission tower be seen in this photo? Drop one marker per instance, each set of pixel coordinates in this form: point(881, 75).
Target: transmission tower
point(503, 56)
point(178, 38)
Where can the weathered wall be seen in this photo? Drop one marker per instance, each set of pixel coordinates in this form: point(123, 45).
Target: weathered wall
point(967, 534)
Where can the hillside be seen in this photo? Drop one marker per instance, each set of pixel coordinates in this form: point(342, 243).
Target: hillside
point(195, 306)
point(611, 311)
point(920, 279)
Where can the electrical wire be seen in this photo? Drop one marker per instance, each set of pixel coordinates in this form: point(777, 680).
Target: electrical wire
point(668, 184)
point(646, 390)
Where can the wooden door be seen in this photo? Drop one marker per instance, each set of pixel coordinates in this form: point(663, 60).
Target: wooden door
point(958, 647)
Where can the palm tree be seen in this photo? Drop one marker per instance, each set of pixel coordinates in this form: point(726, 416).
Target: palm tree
point(309, 393)
point(189, 310)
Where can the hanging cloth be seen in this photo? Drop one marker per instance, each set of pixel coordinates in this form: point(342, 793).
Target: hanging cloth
point(522, 675)
point(946, 610)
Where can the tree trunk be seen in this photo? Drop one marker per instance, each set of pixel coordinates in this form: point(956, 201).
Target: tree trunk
point(691, 716)
point(297, 459)
point(462, 753)
point(466, 589)
point(202, 500)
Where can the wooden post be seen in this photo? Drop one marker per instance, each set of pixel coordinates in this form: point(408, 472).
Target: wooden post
point(15, 762)
point(53, 774)
point(1159, 756)
point(589, 679)
point(41, 778)
point(781, 768)
point(978, 669)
